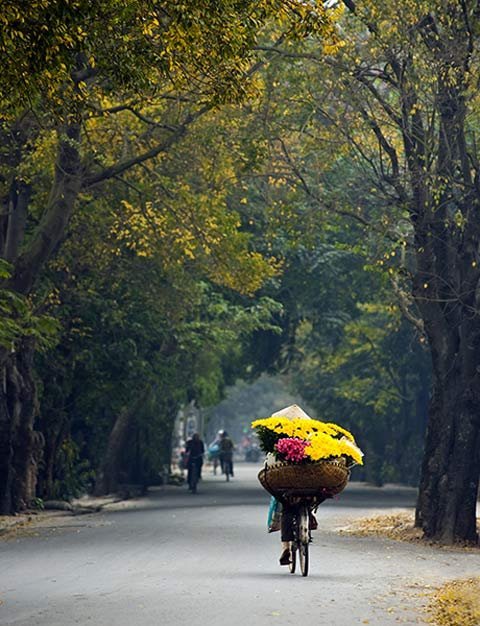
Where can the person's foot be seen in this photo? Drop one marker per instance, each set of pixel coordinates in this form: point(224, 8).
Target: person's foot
point(312, 522)
point(285, 558)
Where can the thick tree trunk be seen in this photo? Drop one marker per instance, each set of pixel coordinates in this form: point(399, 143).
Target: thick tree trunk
point(108, 476)
point(6, 446)
point(46, 479)
point(446, 508)
point(21, 445)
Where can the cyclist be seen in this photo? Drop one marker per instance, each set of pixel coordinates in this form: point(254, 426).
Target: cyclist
point(226, 453)
point(214, 452)
point(194, 449)
point(288, 514)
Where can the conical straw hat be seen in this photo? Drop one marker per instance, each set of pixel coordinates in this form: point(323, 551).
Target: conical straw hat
point(292, 412)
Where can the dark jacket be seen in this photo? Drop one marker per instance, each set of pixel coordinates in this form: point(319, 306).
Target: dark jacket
point(195, 449)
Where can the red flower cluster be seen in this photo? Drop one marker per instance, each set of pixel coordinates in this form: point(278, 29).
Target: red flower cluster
point(292, 449)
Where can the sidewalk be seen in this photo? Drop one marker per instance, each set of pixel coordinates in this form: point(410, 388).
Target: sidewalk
point(57, 513)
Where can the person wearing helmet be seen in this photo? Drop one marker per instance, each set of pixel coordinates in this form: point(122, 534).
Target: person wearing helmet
point(214, 452)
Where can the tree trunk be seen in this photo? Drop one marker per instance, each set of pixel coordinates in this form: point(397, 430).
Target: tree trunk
point(108, 476)
point(109, 473)
point(446, 507)
point(6, 446)
point(21, 445)
point(54, 437)
point(53, 224)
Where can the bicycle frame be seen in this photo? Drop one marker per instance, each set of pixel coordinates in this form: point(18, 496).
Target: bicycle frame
point(303, 506)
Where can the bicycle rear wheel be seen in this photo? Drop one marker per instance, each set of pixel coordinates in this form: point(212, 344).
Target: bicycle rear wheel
point(303, 554)
point(193, 485)
point(194, 478)
point(303, 539)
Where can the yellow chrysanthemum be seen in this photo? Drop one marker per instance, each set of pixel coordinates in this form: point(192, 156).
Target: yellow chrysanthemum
point(342, 431)
point(326, 439)
point(322, 446)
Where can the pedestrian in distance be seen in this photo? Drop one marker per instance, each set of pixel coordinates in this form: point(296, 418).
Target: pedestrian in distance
point(226, 454)
point(194, 449)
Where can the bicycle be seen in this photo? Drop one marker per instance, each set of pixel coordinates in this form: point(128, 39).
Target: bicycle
point(194, 473)
point(227, 466)
point(301, 509)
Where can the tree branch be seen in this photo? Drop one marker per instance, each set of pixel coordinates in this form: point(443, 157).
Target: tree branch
point(404, 303)
point(64, 193)
point(92, 179)
point(17, 218)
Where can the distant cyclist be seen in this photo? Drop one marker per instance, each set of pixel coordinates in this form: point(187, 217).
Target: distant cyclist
point(214, 452)
point(226, 454)
point(194, 449)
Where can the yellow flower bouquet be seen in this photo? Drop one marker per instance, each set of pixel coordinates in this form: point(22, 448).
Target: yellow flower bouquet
point(305, 440)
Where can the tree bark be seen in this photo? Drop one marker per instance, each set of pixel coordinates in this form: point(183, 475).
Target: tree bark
point(21, 445)
point(6, 445)
point(446, 507)
point(63, 196)
point(108, 477)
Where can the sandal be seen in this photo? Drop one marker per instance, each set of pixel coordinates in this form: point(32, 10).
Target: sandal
point(285, 558)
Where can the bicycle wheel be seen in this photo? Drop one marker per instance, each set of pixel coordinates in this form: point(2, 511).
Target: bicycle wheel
point(303, 531)
point(194, 478)
point(303, 538)
point(303, 554)
point(228, 470)
point(295, 543)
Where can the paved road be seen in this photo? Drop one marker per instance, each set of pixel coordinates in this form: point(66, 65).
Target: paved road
point(180, 559)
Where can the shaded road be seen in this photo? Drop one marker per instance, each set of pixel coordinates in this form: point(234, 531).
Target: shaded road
point(179, 559)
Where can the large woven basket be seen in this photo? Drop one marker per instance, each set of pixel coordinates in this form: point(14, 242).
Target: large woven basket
point(323, 477)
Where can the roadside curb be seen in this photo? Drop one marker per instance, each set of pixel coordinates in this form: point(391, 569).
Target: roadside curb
point(54, 511)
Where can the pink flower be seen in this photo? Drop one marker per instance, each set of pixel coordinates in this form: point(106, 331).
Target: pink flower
point(292, 449)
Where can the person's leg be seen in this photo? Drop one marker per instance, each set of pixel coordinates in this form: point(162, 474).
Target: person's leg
point(286, 533)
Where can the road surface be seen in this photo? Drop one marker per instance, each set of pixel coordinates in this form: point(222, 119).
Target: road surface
point(176, 558)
